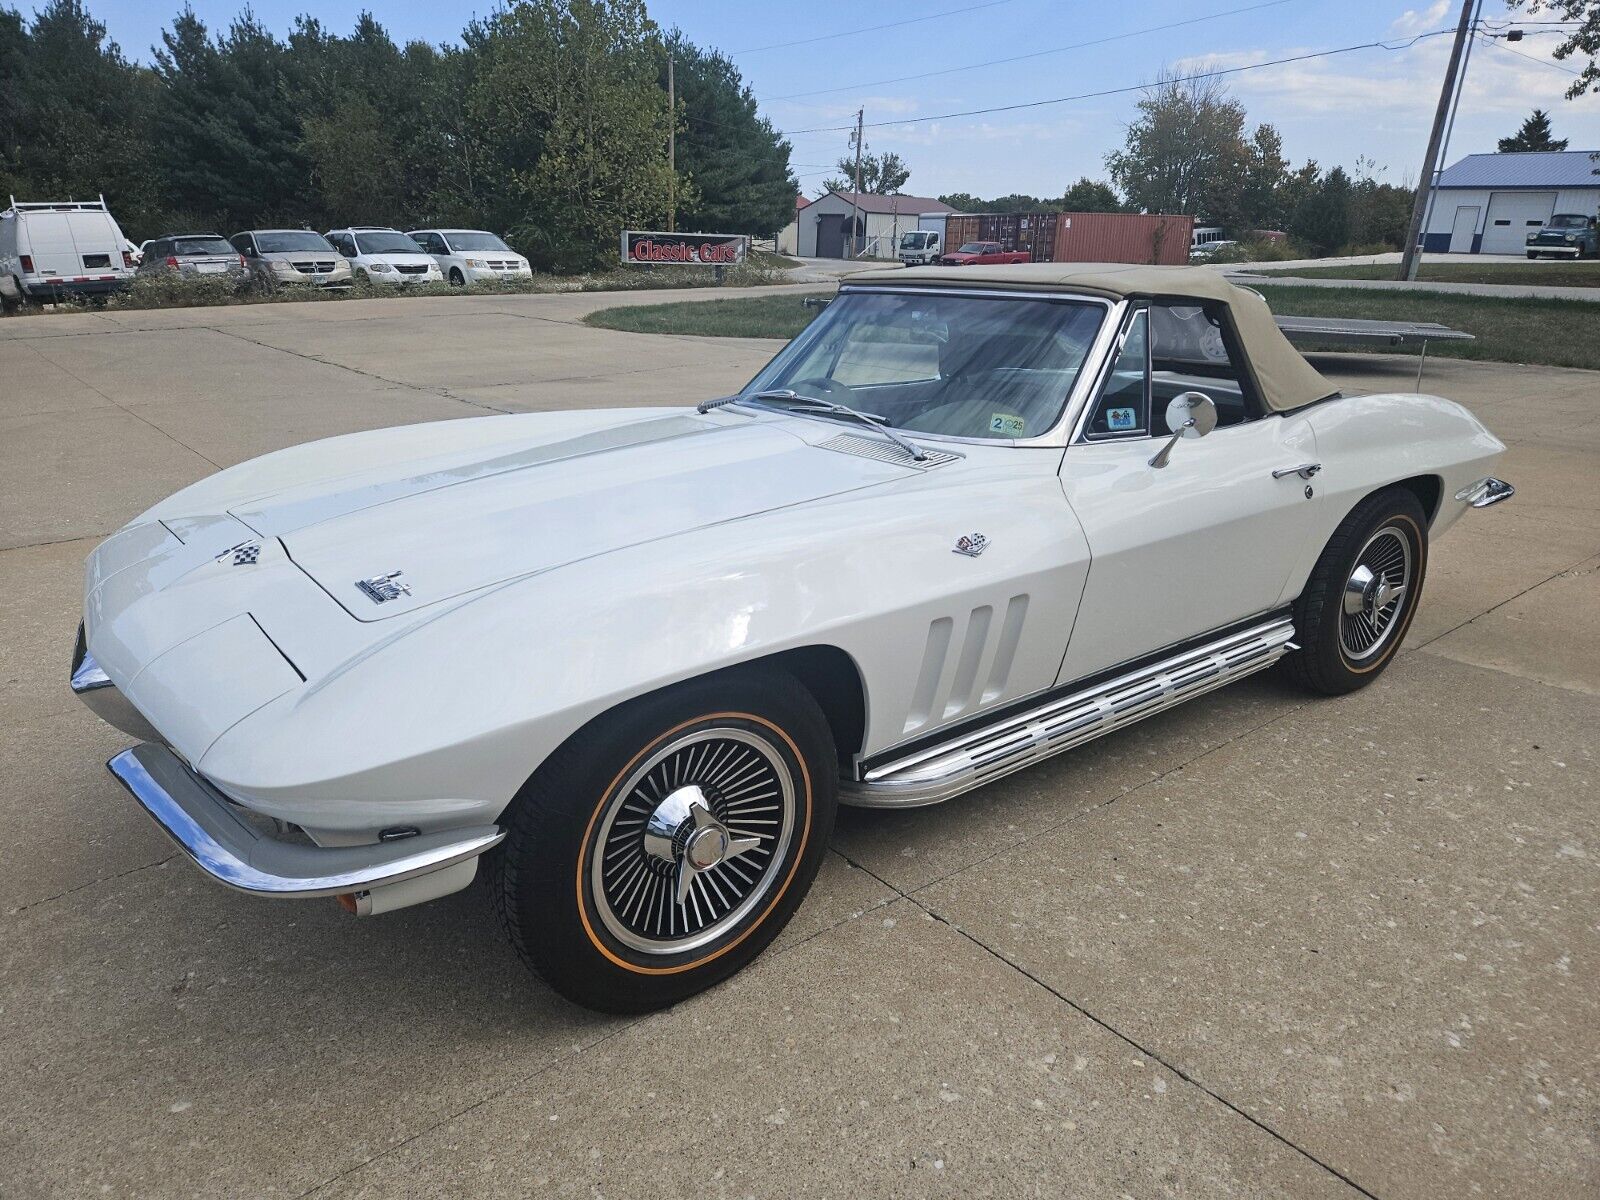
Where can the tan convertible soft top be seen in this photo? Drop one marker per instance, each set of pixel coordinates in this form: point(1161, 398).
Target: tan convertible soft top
point(1287, 380)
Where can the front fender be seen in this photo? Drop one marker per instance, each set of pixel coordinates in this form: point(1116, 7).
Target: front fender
point(441, 724)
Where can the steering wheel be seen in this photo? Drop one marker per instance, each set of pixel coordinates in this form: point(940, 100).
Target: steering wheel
point(829, 387)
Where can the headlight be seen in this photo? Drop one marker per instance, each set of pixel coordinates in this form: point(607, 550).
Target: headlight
point(1532, 237)
point(380, 266)
point(522, 264)
point(1571, 237)
point(279, 267)
point(476, 262)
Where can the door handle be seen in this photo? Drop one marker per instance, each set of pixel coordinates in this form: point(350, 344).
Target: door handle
point(1304, 470)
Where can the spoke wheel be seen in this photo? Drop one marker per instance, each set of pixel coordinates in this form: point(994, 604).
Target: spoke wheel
point(1353, 614)
point(1374, 594)
point(687, 846)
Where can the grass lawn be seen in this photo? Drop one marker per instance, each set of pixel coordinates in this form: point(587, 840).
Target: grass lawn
point(1553, 333)
point(749, 317)
point(1556, 333)
point(1546, 272)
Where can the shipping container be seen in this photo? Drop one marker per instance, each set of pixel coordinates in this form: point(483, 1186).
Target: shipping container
point(1123, 237)
point(1033, 232)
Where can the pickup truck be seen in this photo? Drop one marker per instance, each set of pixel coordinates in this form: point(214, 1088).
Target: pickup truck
point(982, 254)
point(1566, 234)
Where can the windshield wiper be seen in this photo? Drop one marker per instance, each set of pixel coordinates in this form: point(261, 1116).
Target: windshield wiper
point(812, 404)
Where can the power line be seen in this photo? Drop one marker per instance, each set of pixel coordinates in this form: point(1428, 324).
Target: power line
point(1543, 62)
point(828, 37)
point(1137, 87)
point(993, 62)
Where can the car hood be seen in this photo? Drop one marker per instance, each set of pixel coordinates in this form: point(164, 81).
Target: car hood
point(434, 527)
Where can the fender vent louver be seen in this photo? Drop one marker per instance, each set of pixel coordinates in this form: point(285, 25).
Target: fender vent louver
point(886, 451)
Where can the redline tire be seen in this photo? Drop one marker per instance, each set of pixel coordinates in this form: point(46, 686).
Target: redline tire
point(625, 942)
point(1349, 634)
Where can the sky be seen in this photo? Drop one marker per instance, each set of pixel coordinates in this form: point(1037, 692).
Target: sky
point(812, 64)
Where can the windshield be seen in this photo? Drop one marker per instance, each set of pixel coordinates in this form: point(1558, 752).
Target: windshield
point(913, 241)
point(975, 248)
point(386, 241)
point(473, 240)
point(201, 245)
point(1568, 221)
point(962, 366)
point(292, 241)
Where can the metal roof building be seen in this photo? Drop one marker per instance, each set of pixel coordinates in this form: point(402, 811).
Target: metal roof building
point(1490, 203)
point(824, 225)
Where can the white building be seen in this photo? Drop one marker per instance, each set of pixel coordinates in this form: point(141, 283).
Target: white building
point(822, 228)
point(1490, 203)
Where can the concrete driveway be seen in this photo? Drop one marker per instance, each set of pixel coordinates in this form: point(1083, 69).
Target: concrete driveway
point(1259, 946)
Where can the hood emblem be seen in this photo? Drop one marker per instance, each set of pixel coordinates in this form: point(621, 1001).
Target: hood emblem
point(380, 589)
point(241, 555)
point(972, 545)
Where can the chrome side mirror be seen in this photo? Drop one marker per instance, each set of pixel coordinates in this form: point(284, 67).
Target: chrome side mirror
point(1190, 415)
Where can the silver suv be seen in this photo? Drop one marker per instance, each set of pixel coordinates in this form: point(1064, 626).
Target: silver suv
point(289, 256)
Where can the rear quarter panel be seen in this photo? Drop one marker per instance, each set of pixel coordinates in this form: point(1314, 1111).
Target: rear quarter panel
point(1366, 443)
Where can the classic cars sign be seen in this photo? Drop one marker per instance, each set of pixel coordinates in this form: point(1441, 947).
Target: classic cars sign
point(683, 249)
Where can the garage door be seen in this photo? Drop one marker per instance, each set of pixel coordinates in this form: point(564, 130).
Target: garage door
point(1512, 217)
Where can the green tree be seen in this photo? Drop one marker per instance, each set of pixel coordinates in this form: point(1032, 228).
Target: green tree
point(1266, 171)
point(738, 163)
point(1185, 152)
point(881, 174)
point(1321, 219)
point(1580, 42)
point(1534, 134)
point(227, 133)
point(567, 99)
point(76, 114)
point(964, 202)
point(1091, 195)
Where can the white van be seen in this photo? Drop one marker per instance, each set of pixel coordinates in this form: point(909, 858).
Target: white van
point(61, 250)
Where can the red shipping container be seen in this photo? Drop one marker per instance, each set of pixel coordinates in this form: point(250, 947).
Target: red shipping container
point(1123, 237)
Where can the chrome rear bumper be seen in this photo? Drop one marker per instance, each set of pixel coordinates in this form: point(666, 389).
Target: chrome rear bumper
point(1486, 491)
point(206, 827)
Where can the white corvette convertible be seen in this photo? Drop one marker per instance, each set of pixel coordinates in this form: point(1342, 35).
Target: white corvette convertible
point(633, 658)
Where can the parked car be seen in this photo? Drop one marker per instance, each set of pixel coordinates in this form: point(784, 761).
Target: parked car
point(378, 254)
point(642, 653)
point(919, 247)
point(982, 254)
point(193, 255)
point(1566, 235)
point(60, 250)
point(291, 256)
point(471, 255)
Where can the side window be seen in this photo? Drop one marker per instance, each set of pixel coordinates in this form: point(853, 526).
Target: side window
point(1123, 409)
point(241, 243)
point(1192, 349)
point(436, 244)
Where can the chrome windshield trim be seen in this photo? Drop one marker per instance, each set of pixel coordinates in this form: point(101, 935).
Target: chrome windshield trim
point(1055, 436)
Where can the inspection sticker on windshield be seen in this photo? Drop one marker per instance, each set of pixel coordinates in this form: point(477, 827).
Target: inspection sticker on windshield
point(1121, 418)
point(1007, 424)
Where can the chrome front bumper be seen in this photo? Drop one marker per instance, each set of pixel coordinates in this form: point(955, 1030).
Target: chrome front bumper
point(205, 826)
point(94, 687)
point(210, 829)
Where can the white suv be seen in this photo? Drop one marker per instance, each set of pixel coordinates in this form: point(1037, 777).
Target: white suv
point(471, 255)
point(381, 255)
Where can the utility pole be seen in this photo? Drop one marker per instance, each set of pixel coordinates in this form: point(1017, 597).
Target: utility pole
point(1450, 125)
point(1430, 161)
point(672, 149)
point(855, 197)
